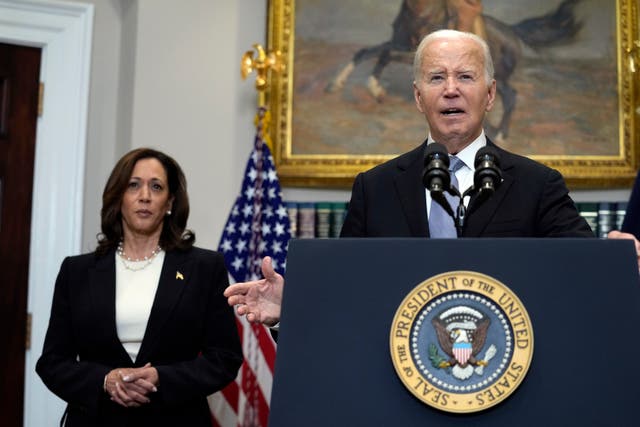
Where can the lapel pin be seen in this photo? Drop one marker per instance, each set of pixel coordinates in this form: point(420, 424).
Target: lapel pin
point(179, 275)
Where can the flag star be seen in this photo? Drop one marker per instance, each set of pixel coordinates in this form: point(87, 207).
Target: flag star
point(279, 229)
point(275, 264)
point(258, 224)
point(282, 211)
point(241, 246)
point(231, 228)
point(237, 263)
point(266, 229)
point(252, 174)
point(244, 228)
point(226, 245)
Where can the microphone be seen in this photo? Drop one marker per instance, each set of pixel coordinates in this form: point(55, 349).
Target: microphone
point(487, 176)
point(435, 175)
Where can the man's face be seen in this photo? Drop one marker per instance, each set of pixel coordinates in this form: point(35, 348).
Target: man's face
point(453, 92)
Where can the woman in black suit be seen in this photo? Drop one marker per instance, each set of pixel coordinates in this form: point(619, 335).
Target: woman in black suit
point(140, 332)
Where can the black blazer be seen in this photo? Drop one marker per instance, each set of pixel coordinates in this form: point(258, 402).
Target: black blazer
point(532, 201)
point(191, 338)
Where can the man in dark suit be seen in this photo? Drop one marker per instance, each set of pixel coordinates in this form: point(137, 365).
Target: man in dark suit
point(454, 88)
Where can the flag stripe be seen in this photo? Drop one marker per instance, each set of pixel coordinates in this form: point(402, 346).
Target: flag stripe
point(267, 345)
point(222, 414)
point(257, 411)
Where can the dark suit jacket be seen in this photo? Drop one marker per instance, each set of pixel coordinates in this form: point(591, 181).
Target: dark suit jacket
point(532, 201)
point(191, 338)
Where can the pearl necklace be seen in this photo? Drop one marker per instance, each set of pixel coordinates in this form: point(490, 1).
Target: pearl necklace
point(134, 264)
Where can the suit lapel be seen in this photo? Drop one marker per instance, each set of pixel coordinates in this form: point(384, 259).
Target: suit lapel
point(173, 280)
point(411, 193)
point(481, 216)
point(102, 280)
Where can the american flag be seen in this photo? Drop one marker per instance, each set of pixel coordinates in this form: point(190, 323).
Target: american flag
point(258, 226)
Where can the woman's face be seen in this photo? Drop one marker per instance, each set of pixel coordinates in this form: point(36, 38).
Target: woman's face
point(146, 199)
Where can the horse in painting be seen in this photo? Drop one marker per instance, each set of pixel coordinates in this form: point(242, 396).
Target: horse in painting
point(418, 18)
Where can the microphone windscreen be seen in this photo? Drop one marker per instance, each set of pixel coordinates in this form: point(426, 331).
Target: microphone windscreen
point(436, 150)
point(487, 153)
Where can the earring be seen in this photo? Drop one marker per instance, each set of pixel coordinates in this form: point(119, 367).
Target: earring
point(168, 213)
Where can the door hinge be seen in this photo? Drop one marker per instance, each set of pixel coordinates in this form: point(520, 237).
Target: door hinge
point(28, 333)
point(40, 99)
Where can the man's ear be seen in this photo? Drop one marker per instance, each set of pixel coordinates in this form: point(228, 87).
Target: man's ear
point(491, 94)
point(418, 97)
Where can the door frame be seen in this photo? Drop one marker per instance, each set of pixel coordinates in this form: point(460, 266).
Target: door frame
point(63, 30)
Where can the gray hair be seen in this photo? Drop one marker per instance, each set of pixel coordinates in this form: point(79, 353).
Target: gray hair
point(448, 35)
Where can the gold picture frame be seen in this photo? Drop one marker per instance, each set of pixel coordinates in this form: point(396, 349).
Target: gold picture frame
point(596, 161)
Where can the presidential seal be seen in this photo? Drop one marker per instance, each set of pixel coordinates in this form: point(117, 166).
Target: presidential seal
point(461, 341)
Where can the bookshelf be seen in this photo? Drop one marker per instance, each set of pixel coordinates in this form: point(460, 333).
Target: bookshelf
point(603, 216)
point(324, 219)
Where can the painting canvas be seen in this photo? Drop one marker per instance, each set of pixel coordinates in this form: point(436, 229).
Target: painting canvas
point(565, 88)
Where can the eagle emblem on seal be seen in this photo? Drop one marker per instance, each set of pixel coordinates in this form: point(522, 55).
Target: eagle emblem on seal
point(462, 333)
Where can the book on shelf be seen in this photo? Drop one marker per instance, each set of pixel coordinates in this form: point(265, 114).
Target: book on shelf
point(338, 212)
point(621, 209)
point(306, 220)
point(292, 212)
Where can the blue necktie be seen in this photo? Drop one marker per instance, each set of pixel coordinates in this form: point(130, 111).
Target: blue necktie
point(441, 224)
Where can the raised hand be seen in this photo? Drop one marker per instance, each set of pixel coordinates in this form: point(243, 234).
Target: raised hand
point(259, 300)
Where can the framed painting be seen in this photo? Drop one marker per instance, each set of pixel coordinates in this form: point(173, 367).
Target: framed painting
point(568, 73)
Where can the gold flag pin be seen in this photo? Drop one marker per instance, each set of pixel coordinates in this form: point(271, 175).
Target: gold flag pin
point(179, 275)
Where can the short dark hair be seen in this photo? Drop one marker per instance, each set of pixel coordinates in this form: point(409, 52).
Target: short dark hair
point(174, 233)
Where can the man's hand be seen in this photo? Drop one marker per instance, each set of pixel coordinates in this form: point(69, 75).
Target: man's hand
point(259, 300)
point(130, 387)
point(615, 234)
